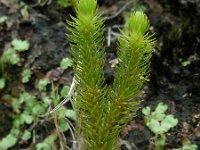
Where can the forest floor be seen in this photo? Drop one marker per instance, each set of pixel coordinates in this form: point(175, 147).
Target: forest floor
point(174, 72)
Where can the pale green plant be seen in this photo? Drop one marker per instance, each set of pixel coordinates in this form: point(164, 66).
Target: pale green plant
point(42, 85)
point(20, 45)
point(26, 74)
point(32, 113)
point(188, 147)
point(159, 123)
point(10, 57)
point(3, 19)
point(66, 63)
point(2, 83)
point(48, 142)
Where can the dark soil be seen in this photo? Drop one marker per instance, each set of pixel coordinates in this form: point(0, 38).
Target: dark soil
point(176, 25)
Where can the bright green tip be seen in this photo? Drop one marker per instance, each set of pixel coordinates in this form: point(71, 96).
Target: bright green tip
point(138, 22)
point(87, 7)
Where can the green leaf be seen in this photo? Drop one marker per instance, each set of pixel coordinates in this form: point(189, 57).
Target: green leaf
point(27, 98)
point(42, 85)
point(65, 3)
point(17, 121)
point(70, 113)
point(15, 104)
point(61, 112)
point(65, 63)
point(146, 111)
point(47, 101)
point(26, 74)
point(160, 142)
point(47, 143)
point(161, 108)
point(64, 91)
point(63, 125)
point(3, 19)
point(2, 83)
point(157, 116)
point(26, 135)
point(38, 109)
point(168, 123)
point(155, 126)
point(26, 118)
point(20, 45)
point(190, 147)
point(10, 56)
point(43, 146)
point(8, 141)
point(186, 63)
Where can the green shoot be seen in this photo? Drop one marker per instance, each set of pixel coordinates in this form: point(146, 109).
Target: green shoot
point(102, 110)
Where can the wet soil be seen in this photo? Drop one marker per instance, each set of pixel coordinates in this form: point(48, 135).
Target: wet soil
point(175, 67)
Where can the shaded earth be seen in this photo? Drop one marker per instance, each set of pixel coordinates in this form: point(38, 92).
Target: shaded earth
point(175, 67)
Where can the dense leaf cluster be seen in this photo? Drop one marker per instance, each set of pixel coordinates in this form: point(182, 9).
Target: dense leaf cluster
point(104, 110)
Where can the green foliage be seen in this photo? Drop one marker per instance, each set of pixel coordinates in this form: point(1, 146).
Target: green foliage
point(31, 113)
point(10, 56)
point(71, 114)
point(27, 116)
point(2, 83)
point(66, 63)
point(159, 123)
point(42, 84)
point(63, 125)
point(66, 3)
point(104, 111)
point(28, 109)
point(8, 141)
point(11, 139)
point(64, 91)
point(48, 142)
point(186, 63)
point(188, 147)
point(20, 45)
point(26, 74)
point(3, 19)
point(26, 135)
point(64, 113)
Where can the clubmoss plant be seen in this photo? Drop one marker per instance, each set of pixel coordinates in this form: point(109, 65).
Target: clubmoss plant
point(104, 110)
